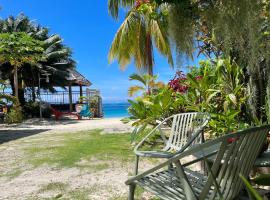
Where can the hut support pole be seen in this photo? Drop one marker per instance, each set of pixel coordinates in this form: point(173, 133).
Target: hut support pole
point(81, 93)
point(70, 98)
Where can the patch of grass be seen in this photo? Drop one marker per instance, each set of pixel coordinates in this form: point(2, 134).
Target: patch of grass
point(55, 186)
point(94, 167)
point(82, 146)
point(80, 194)
point(12, 174)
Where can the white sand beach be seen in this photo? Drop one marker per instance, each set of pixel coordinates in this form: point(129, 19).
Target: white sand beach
point(110, 125)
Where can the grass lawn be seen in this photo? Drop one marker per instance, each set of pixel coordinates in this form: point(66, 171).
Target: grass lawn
point(78, 147)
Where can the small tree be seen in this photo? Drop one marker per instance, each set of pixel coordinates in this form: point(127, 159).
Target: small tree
point(18, 49)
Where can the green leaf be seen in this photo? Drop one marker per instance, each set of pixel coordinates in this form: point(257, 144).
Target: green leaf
point(233, 98)
point(252, 191)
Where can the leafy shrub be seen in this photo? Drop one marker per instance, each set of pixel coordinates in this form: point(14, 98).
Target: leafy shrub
point(146, 111)
point(31, 109)
point(14, 115)
point(216, 87)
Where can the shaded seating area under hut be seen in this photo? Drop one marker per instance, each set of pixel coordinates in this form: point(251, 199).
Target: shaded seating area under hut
point(77, 92)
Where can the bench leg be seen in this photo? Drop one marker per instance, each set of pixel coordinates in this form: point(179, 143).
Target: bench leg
point(132, 187)
point(131, 192)
point(136, 165)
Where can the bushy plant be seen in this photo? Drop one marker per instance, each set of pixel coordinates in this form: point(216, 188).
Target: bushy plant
point(32, 109)
point(146, 111)
point(14, 115)
point(216, 87)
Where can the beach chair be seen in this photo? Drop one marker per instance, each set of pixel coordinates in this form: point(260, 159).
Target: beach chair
point(223, 181)
point(86, 112)
point(184, 127)
point(58, 114)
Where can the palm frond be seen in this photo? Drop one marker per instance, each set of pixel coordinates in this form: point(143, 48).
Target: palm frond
point(137, 77)
point(114, 5)
point(122, 47)
point(135, 89)
point(161, 39)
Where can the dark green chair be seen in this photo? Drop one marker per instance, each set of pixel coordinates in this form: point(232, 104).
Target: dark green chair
point(222, 182)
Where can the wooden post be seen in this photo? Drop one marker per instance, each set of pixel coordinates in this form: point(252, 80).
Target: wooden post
point(16, 82)
point(81, 91)
point(70, 98)
point(81, 94)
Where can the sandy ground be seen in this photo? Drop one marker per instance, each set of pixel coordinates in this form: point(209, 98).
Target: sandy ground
point(109, 125)
point(104, 184)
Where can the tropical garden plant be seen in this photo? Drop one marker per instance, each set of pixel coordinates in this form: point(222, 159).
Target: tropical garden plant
point(148, 84)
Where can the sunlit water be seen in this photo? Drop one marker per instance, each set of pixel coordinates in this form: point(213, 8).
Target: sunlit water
point(112, 110)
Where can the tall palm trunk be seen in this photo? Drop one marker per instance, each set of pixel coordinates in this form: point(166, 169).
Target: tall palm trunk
point(149, 53)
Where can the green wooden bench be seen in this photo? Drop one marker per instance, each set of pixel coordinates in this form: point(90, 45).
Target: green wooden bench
point(186, 129)
point(222, 182)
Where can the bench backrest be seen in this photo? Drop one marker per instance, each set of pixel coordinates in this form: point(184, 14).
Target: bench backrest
point(234, 158)
point(183, 126)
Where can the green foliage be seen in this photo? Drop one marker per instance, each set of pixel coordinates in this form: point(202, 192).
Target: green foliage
point(222, 28)
point(57, 58)
point(32, 109)
point(143, 28)
point(251, 190)
point(146, 111)
point(19, 48)
point(216, 87)
point(148, 84)
point(15, 114)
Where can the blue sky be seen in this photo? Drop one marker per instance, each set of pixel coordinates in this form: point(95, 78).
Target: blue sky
point(88, 30)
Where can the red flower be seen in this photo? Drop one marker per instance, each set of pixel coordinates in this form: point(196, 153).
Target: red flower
point(177, 83)
point(138, 3)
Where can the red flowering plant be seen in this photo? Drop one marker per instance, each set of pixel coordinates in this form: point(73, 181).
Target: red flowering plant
point(178, 83)
point(138, 3)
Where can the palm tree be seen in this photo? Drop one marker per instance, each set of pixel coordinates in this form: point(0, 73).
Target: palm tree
point(147, 84)
point(142, 29)
point(58, 57)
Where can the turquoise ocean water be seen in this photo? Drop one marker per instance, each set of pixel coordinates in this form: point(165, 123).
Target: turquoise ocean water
point(112, 110)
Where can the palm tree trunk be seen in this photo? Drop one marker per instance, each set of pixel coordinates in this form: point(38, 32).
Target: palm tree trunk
point(149, 53)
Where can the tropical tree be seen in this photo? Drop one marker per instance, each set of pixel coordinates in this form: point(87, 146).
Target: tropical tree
point(19, 49)
point(58, 60)
point(147, 84)
point(145, 26)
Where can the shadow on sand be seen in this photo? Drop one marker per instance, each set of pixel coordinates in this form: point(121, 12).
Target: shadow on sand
point(9, 135)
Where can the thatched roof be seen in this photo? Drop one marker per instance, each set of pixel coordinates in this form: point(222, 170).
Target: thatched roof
point(77, 79)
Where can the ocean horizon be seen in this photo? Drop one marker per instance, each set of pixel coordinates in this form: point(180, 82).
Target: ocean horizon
point(113, 110)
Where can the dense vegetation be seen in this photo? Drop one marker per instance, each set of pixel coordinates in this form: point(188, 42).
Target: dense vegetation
point(232, 83)
point(27, 51)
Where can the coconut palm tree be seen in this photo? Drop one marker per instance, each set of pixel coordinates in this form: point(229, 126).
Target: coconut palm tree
point(144, 27)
